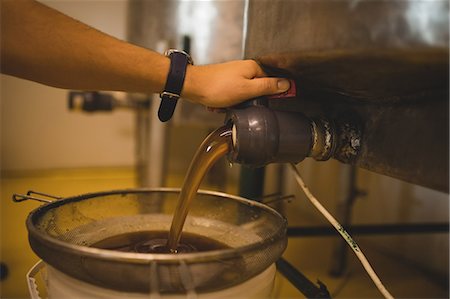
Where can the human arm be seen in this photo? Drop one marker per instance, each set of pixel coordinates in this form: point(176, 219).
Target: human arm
point(43, 45)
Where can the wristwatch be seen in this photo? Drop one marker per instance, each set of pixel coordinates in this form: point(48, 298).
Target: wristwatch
point(179, 61)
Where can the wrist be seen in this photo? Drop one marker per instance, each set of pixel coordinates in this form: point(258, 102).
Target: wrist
point(179, 62)
point(192, 84)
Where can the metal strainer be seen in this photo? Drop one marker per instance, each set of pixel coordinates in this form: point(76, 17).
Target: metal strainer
point(61, 232)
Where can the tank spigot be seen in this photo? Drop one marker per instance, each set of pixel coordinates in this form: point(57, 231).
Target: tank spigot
point(261, 136)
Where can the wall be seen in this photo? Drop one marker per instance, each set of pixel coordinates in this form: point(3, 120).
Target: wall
point(41, 140)
point(38, 131)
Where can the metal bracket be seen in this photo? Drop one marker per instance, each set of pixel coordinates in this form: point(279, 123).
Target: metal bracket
point(20, 197)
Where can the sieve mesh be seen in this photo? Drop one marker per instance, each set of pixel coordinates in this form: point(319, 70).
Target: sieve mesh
point(61, 233)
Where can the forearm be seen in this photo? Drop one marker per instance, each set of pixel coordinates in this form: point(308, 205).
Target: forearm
point(46, 46)
point(43, 45)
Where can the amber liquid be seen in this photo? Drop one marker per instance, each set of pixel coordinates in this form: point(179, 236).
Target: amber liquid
point(216, 145)
point(156, 242)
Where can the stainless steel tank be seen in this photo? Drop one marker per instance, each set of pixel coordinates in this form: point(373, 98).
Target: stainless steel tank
point(382, 65)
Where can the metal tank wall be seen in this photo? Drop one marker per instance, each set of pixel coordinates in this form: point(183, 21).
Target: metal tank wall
point(215, 27)
point(380, 64)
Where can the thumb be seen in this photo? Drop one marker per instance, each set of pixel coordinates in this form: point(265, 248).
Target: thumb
point(269, 86)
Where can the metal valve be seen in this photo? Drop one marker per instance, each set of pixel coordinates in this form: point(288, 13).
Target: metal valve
point(261, 136)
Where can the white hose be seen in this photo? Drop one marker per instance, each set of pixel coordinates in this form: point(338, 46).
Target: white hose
point(343, 233)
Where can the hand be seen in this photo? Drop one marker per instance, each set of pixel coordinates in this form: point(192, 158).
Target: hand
point(227, 84)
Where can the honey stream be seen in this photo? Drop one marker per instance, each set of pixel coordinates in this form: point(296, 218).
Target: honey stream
point(216, 145)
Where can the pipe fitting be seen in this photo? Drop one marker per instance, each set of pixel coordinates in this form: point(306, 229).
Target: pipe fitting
point(261, 136)
point(323, 135)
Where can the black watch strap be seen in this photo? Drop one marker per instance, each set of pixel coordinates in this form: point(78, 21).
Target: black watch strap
point(179, 61)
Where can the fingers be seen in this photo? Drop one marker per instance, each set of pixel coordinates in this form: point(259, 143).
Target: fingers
point(263, 85)
point(268, 86)
point(257, 70)
point(227, 84)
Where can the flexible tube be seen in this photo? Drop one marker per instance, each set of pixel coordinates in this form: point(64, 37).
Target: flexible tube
point(356, 249)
